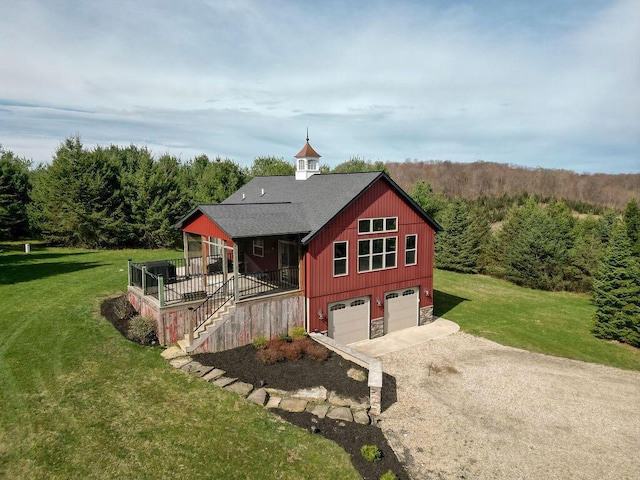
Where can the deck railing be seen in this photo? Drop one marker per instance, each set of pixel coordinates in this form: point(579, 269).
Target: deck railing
point(264, 283)
point(213, 304)
point(168, 281)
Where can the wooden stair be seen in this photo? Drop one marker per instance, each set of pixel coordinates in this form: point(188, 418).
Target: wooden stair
point(204, 331)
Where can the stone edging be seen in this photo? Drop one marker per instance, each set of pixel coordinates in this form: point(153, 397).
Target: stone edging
point(316, 400)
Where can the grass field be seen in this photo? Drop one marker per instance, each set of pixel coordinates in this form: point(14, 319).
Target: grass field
point(79, 401)
point(555, 323)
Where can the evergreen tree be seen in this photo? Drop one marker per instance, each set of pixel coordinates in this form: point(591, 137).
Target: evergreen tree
point(533, 246)
point(206, 181)
point(632, 221)
point(430, 202)
point(457, 248)
point(77, 199)
point(616, 291)
point(14, 195)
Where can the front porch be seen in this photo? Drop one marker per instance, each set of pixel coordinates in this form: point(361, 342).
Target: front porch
point(176, 281)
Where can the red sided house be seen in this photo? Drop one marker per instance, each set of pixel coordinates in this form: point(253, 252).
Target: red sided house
point(349, 255)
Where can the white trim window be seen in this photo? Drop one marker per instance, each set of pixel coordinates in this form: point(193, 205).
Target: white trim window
point(377, 225)
point(340, 258)
point(377, 254)
point(258, 247)
point(411, 249)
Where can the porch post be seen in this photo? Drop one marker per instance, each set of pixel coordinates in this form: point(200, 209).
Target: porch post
point(225, 268)
point(185, 250)
point(144, 279)
point(161, 290)
point(204, 262)
point(236, 274)
point(129, 272)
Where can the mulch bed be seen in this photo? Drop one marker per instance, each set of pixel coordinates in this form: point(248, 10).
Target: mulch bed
point(243, 364)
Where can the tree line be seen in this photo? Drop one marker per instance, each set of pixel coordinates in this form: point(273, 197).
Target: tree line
point(116, 197)
point(585, 193)
point(547, 247)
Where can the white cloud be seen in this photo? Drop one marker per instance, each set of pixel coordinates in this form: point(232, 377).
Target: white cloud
point(550, 84)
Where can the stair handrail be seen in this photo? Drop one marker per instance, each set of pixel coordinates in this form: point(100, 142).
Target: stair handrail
point(224, 292)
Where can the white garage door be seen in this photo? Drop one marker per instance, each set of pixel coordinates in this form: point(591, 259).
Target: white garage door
point(401, 309)
point(349, 320)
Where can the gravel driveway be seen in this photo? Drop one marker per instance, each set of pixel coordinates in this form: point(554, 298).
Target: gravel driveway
point(470, 408)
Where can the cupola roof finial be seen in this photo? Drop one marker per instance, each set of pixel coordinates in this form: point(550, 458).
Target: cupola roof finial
point(307, 134)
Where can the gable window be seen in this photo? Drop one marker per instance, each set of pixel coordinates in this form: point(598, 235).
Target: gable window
point(340, 250)
point(377, 225)
point(258, 248)
point(377, 254)
point(410, 249)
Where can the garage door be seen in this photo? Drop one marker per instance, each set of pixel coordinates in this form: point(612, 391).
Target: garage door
point(349, 320)
point(401, 309)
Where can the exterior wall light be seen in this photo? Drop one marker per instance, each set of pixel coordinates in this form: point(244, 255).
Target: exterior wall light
point(378, 302)
point(320, 314)
point(426, 292)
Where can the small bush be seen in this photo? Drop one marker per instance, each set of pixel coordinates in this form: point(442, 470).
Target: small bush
point(284, 337)
point(260, 342)
point(142, 330)
point(389, 476)
point(305, 343)
point(269, 356)
point(122, 308)
point(317, 352)
point(293, 351)
point(298, 332)
point(371, 453)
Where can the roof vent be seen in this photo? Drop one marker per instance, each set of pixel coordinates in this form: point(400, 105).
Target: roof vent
point(243, 196)
point(262, 192)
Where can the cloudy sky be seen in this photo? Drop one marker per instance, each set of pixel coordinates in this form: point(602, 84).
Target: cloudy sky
point(544, 83)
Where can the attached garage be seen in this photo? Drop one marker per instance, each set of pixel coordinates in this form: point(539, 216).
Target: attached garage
point(401, 309)
point(349, 320)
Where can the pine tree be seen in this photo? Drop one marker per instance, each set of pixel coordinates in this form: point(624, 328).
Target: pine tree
point(616, 291)
point(632, 221)
point(457, 248)
point(430, 202)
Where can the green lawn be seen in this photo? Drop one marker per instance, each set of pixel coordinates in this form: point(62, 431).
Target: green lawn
point(79, 401)
point(555, 323)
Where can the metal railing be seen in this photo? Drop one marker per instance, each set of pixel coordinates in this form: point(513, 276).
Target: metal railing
point(213, 304)
point(264, 283)
point(166, 280)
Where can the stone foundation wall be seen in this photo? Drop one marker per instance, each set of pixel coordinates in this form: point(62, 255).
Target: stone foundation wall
point(426, 315)
point(377, 328)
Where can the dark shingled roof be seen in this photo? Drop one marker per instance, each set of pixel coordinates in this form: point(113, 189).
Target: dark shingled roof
point(283, 205)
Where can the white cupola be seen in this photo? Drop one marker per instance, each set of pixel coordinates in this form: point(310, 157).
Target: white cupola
point(307, 161)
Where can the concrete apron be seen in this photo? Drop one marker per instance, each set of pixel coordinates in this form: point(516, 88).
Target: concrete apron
point(408, 337)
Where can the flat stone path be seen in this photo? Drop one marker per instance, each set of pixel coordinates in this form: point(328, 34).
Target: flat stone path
point(317, 400)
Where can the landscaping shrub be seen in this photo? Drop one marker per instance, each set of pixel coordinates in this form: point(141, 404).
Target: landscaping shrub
point(298, 332)
point(142, 330)
point(371, 453)
point(317, 352)
point(271, 355)
point(284, 337)
point(293, 351)
point(122, 308)
point(389, 476)
point(260, 342)
point(278, 349)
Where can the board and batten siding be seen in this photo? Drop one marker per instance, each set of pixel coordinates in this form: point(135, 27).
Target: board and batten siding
point(380, 200)
point(202, 225)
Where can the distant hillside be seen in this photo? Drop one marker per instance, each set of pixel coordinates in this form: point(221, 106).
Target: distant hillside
point(472, 180)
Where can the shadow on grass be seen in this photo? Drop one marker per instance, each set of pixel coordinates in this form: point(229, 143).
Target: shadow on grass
point(16, 273)
point(19, 258)
point(445, 302)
